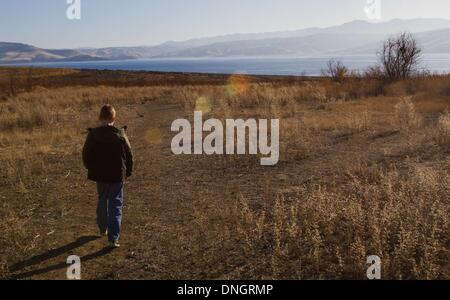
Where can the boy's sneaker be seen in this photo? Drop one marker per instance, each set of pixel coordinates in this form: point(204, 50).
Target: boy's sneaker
point(114, 244)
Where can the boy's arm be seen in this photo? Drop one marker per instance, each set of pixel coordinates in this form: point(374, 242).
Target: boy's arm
point(128, 155)
point(87, 150)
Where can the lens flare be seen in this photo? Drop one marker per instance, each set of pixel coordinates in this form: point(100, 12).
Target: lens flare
point(237, 84)
point(203, 104)
point(153, 136)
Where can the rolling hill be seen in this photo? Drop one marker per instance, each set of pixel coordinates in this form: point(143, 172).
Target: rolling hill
point(353, 38)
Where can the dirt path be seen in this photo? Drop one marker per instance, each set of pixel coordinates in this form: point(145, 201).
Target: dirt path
point(150, 206)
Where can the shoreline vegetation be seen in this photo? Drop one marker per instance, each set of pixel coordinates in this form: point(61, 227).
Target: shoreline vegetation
point(364, 170)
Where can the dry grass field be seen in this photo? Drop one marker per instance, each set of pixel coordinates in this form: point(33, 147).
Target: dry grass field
point(364, 170)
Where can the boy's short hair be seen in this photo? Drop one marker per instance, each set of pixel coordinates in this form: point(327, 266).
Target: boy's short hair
point(107, 113)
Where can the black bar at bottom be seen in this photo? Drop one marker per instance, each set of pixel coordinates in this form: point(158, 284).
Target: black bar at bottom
point(223, 289)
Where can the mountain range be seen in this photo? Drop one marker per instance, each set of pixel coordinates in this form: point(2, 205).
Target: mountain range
point(353, 38)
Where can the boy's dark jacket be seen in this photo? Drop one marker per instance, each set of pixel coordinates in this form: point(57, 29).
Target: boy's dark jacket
point(107, 155)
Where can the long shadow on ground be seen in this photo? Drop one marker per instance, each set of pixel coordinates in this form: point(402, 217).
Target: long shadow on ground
point(54, 253)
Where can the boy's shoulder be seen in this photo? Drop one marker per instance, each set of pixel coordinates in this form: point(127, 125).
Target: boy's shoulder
point(113, 129)
point(107, 133)
point(123, 129)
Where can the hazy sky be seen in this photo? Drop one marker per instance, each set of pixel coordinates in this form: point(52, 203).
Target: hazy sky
point(147, 22)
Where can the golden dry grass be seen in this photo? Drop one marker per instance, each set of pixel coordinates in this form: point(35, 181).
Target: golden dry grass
point(364, 171)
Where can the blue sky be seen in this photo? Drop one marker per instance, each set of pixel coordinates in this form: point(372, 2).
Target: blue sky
point(147, 22)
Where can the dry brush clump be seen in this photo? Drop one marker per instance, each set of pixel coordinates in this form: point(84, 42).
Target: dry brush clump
point(326, 233)
point(406, 116)
point(443, 130)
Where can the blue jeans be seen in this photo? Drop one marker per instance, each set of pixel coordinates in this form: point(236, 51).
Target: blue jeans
point(109, 208)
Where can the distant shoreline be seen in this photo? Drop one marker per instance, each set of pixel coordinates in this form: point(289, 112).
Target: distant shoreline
point(272, 66)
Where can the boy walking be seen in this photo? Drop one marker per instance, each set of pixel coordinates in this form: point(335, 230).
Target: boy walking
point(107, 156)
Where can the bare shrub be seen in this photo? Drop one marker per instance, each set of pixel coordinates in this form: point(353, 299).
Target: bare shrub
point(400, 56)
point(336, 70)
point(373, 72)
